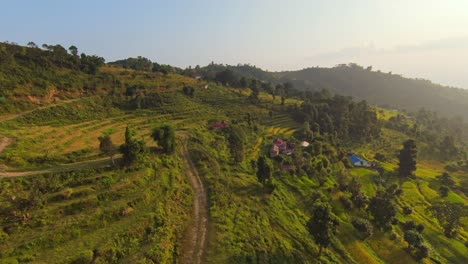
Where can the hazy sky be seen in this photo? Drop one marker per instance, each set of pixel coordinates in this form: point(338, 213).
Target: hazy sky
point(416, 38)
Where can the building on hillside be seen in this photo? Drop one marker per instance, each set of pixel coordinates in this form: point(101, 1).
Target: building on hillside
point(274, 151)
point(219, 125)
point(283, 147)
point(305, 144)
point(358, 162)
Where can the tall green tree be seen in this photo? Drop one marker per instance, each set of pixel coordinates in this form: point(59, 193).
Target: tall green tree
point(107, 146)
point(382, 208)
point(255, 91)
point(264, 169)
point(73, 50)
point(236, 143)
point(133, 150)
point(243, 82)
point(165, 136)
point(322, 225)
point(407, 159)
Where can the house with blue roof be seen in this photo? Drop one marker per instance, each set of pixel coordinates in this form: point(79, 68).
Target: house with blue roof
point(358, 162)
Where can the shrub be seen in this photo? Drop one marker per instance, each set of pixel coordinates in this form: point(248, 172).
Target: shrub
point(85, 257)
point(422, 251)
point(346, 202)
point(407, 210)
point(444, 190)
point(363, 226)
point(420, 228)
point(409, 225)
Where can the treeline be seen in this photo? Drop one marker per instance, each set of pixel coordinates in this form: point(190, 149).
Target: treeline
point(385, 89)
point(33, 70)
point(49, 56)
point(144, 64)
point(446, 137)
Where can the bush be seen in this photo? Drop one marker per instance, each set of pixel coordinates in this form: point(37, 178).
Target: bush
point(444, 190)
point(363, 226)
point(407, 210)
point(380, 157)
point(422, 251)
point(84, 258)
point(420, 228)
point(346, 202)
point(409, 225)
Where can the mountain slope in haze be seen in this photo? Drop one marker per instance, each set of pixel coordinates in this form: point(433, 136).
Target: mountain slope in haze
point(384, 89)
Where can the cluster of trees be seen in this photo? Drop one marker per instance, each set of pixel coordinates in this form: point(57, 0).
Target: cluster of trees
point(165, 137)
point(446, 137)
point(144, 64)
point(33, 70)
point(384, 89)
point(133, 150)
point(50, 55)
point(407, 159)
point(337, 115)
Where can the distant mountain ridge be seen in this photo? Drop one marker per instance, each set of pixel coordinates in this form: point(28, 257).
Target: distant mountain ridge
point(382, 89)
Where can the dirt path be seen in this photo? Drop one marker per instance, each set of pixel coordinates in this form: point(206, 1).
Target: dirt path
point(4, 143)
point(194, 245)
point(98, 163)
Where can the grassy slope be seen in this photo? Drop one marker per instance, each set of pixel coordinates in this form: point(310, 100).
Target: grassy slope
point(247, 225)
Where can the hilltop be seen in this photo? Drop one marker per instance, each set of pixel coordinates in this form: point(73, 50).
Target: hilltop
point(220, 169)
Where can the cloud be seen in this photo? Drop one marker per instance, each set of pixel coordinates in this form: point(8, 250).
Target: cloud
point(459, 43)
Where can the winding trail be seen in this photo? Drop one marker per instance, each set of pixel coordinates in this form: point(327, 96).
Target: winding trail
point(4, 143)
point(194, 245)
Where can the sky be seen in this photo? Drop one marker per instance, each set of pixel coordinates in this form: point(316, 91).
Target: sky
point(416, 38)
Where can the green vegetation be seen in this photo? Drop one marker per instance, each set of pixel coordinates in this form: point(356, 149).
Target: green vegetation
point(284, 209)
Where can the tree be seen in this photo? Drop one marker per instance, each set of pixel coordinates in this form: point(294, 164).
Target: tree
point(33, 45)
point(413, 238)
point(448, 215)
point(132, 150)
point(188, 90)
point(236, 143)
point(255, 91)
point(243, 82)
point(226, 77)
point(363, 226)
point(444, 190)
point(264, 169)
point(73, 50)
point(416, 242)
point(322, 225)
point(446, 179)
point(165, 136)
point(382, 209)
point(407, 159)
point(107, 146)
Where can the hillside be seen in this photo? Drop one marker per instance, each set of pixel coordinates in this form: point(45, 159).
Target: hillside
point(384, 89)
point(378, 88)
point(197, 179)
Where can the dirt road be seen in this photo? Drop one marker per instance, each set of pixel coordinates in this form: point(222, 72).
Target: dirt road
point(194, 246)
